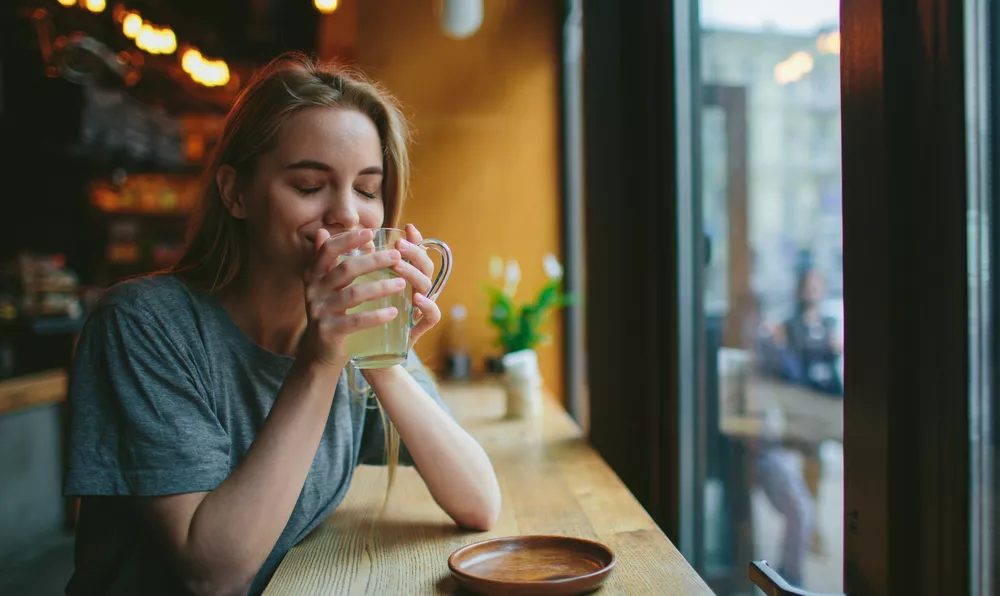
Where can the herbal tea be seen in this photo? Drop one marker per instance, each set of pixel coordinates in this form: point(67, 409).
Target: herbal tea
point(385, 345)
point(388, 344)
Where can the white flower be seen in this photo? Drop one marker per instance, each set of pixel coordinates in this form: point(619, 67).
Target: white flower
point(513, 277)
point(496, 267)
point(513, 271)
point(553, 268)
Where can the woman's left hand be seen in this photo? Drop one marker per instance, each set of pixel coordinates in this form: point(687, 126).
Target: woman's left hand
point(416, 268)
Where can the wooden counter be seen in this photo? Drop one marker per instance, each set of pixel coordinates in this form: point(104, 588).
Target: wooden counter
point(787, 412)
point(33, 390)
point(552, 483)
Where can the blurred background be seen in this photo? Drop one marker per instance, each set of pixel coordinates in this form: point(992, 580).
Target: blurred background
point(108, 110)
point(107, 113)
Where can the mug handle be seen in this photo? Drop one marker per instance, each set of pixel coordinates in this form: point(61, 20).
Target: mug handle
point(443, 273)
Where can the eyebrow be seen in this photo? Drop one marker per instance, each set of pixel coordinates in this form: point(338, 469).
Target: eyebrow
point(311, 164)
point(308, 164)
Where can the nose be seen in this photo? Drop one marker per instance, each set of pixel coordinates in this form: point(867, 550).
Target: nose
point(341, 211)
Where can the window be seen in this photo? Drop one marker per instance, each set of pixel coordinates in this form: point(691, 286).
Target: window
point(771, 483)
point(886, 221)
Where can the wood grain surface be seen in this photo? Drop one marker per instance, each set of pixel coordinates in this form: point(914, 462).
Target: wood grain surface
point(532, 565)
point(552, 483)
point(37, 389)
point(804, 416)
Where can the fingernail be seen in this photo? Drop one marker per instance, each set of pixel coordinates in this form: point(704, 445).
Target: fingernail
point(393, 311)
point(398, 283)
point(394, 254)
point(404, 244)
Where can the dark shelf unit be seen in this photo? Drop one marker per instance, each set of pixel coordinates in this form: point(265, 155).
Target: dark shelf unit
point(151, 229)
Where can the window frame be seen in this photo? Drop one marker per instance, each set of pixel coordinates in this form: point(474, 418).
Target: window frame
point(907, 449)
point(906, 443)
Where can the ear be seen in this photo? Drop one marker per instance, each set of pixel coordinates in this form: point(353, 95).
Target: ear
point(228, 182)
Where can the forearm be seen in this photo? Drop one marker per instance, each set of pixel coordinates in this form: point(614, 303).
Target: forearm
point(454, 466)
point(236, 526)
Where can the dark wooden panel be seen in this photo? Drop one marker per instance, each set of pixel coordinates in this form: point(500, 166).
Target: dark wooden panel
point(906, 407)
point(630, 213)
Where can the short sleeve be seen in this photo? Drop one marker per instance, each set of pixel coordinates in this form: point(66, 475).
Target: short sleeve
point(141, 422)
point(373, 437)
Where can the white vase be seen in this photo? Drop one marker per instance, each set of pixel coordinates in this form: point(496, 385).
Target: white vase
point(523, 384)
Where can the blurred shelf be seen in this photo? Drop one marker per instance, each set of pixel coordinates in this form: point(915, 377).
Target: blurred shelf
point(46, 325)
point(101, 160)
point(144, 213)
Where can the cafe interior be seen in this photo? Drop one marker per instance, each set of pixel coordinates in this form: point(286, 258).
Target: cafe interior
point(664, 219)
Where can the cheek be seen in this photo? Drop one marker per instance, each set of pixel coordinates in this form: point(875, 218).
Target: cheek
point(371, 214)
point(286, 210)
point(276, 215)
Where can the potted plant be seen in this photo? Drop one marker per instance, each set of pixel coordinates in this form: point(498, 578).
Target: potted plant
point(519, 330)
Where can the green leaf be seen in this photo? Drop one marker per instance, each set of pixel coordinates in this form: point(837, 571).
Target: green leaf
point(548, 296)
point(501, 309)
point(519, 326)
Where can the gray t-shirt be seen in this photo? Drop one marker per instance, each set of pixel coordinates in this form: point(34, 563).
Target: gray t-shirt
point(166, 396)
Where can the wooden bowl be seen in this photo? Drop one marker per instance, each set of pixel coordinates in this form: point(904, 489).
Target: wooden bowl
point(532, 565)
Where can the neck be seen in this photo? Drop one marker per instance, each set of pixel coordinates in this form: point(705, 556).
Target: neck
point(269, 307)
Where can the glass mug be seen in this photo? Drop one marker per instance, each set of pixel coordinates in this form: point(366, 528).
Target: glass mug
point(387, 344)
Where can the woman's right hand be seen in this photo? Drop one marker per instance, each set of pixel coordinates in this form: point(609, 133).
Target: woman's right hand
point(329, 294)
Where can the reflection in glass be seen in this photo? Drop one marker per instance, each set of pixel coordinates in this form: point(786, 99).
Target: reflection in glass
point(769, 186)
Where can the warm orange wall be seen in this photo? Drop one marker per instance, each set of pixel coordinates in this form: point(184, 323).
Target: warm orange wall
point(486, 165)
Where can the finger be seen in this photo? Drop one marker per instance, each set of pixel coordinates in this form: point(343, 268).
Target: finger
point(348, 241)
point(417, 255)
point(330, 250)
point(420, 282)
point(349, 268)
point(322, 235)
point(431, 316)
point(344, 324)
point(413, 234)
point(356, 295)
point(352, 267)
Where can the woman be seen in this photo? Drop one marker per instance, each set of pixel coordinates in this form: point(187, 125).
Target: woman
point(808, 344)
point(211, 423)
point(803, 351)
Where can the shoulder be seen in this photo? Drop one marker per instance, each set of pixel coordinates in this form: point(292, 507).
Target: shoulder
point(146, 332)
point(148, 294)
point(161, 302)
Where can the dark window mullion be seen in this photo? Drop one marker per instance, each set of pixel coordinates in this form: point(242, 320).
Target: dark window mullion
point(905, 262)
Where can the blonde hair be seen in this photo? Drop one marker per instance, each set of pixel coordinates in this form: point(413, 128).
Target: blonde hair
point(216, 250)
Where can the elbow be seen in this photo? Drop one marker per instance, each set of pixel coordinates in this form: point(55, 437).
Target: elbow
point(219, 584)
point(218, 587)
point(480, 522)
point(483, 516)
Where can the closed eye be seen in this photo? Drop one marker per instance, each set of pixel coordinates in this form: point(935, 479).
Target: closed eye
point(370, 195)
point(309, 190)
